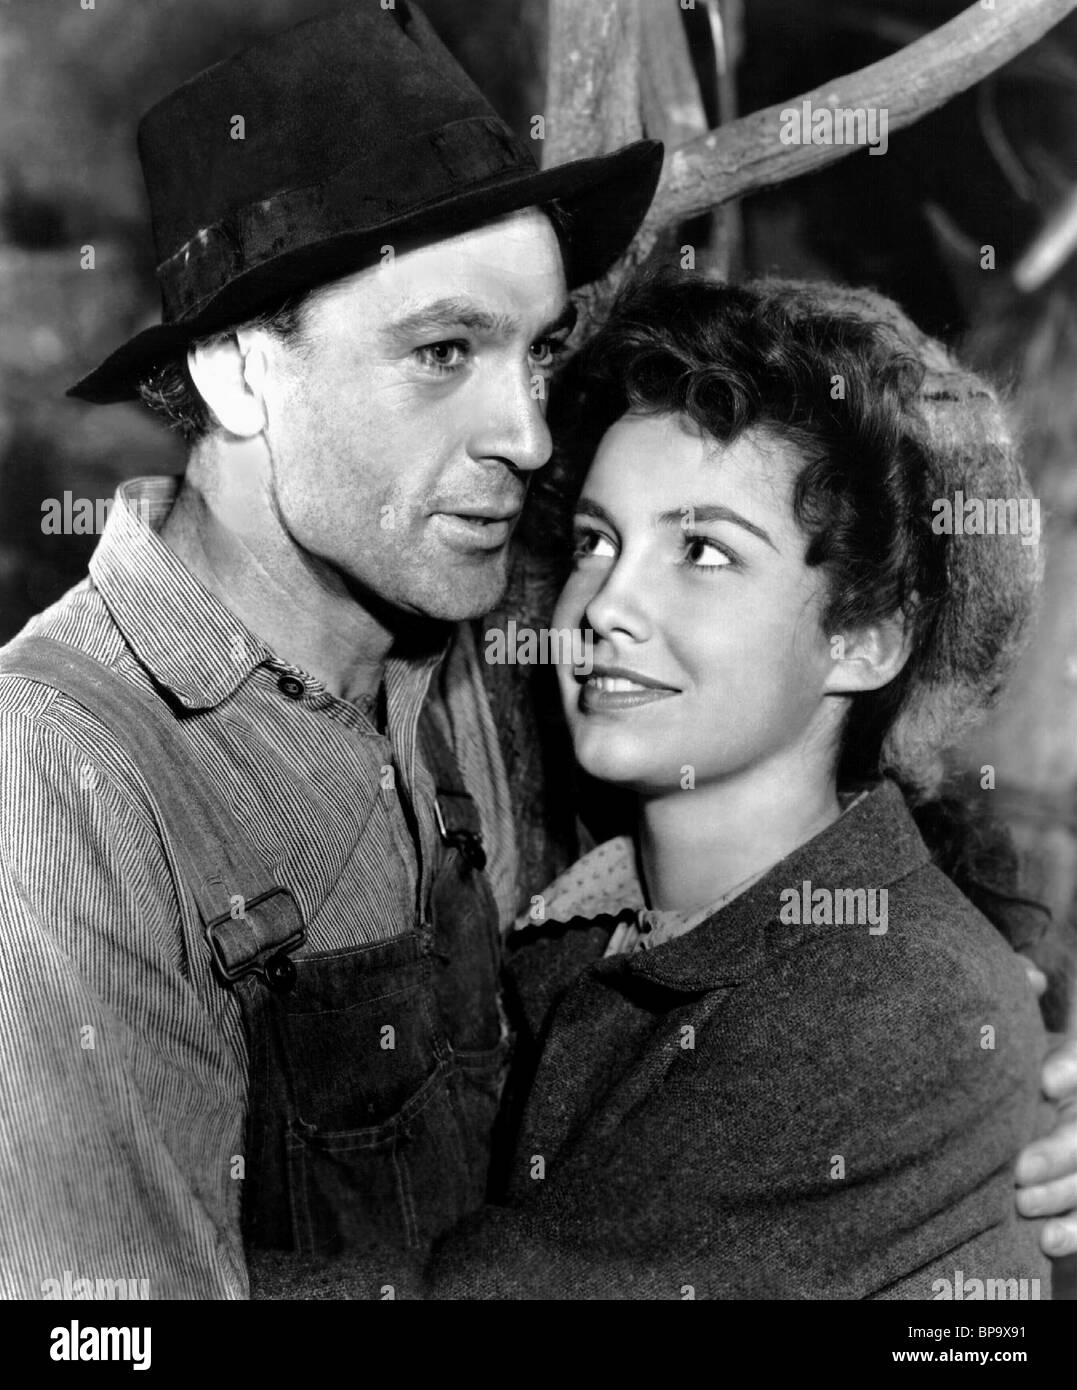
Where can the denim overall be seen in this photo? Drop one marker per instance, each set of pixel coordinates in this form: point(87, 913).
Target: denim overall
point(374, 1071)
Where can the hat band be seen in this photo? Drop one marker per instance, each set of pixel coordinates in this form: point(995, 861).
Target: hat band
point(430, 168)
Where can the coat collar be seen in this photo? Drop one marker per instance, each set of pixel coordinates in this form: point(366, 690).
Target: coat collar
point(874, 844)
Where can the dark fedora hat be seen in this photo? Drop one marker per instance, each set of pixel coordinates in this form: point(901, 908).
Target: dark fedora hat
point(296, 160)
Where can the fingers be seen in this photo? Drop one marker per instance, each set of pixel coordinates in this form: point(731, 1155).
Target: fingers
point(1052, 1158)
point(1059, 1237)
point(1057, 1198)
point(1036, 978)
point(1049, 1168)
point(1059, 1075)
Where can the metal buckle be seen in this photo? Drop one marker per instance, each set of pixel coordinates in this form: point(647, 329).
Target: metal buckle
point(468, 842)
point(231, 976)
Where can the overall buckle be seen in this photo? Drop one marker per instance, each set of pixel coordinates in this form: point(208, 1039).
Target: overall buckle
point(258, 943)
point(468, 842)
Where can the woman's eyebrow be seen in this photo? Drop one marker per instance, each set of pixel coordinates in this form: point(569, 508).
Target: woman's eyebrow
point(585, 507)
point(714, 511)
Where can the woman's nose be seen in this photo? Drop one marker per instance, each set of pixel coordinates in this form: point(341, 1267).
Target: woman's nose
point(619, 605)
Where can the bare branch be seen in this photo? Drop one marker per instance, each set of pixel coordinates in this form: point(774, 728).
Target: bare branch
point(747, 155)
point(1055, 244)
point(670, 96)
point(673, 107)
point(592, 88)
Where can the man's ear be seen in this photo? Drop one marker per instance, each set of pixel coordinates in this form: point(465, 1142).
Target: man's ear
point(229, 373)
point(869, 657)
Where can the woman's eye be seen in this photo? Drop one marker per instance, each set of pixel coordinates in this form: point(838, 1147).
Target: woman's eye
point(443, 357)
point(592, 545)
point(704, 554)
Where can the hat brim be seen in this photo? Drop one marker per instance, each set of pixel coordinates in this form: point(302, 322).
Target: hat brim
point(606, 198)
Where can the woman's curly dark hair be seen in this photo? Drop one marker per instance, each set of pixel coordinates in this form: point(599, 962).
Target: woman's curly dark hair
point(886, 422)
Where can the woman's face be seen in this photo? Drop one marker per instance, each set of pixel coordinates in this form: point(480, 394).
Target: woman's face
point(690, 572)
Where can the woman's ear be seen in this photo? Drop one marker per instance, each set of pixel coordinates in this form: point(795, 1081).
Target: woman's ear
point(229, 373)
point(869, 657)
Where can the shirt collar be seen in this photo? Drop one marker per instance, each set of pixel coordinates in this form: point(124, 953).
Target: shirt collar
point(188, 641)
point(184, 637)
point(602, 882)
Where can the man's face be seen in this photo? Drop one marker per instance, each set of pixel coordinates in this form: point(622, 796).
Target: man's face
point(690, 571)
point(406, 422)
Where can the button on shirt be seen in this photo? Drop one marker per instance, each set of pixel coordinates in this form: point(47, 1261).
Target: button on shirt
point(122, 1059)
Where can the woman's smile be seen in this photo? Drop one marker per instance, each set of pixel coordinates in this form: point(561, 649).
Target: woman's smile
point(607, 689)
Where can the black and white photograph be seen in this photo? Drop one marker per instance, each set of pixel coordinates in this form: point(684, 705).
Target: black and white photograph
point(538, 660)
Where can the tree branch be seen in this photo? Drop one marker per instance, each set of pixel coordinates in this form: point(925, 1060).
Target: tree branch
point(747, 155)
point(669, 93)
point(1050, 250)
point(592, 82)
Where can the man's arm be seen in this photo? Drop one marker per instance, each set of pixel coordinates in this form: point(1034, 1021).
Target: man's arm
point(1047, 1168)
point(122, 1101)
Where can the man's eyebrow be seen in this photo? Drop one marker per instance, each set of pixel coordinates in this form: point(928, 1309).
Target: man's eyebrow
point(452, 310)
point(565, 322)
point(714, 511)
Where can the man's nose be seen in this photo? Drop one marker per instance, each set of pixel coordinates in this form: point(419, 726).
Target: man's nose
point(514, 427)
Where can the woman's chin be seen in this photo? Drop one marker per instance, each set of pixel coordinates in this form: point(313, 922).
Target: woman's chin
point(621, 764)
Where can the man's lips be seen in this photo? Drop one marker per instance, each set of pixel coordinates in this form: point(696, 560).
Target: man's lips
point(489, 511)
point(607, 688)
point(476, 528)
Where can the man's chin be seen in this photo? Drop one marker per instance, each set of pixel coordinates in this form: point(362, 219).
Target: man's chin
point(466, 592)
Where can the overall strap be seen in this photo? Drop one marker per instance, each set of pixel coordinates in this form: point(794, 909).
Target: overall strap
point(248, 918)
point(455, 811)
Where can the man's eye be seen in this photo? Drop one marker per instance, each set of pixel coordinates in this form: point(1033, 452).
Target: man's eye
point(443, 357)
point(546, 351)
point(701, 553)
point(593, 545)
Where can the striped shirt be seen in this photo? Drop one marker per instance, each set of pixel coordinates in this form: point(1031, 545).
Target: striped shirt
point(122, 1059)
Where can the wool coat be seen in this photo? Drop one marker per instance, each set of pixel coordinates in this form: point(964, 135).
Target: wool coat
point(770, 1106)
